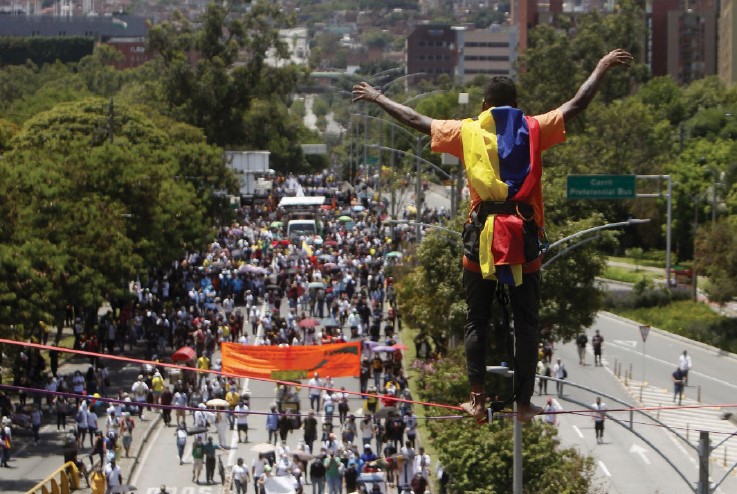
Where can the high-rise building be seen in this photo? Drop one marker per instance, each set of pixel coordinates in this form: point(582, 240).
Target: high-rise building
point(432, 49)
point(526, 14)
point(490, 51)
point(727, 50)
point(683, 39)
point(462, 52)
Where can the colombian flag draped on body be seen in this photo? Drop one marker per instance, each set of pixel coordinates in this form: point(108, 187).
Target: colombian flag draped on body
point(292, 362)
point(503, 163)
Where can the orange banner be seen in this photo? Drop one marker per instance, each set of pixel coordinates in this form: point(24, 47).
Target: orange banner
point(293, 362)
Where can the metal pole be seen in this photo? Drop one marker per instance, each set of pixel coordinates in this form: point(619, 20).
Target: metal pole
point(365, 145)
point(694, 288)
point(111, 122)
point(517, 458)
point(642, 385)
point(394, 180)
point(713, 199)
point(378, 167)
point(517, 436)
point(456, 195)
point(703, 485)
point(668, 233)
point(452, 193)
point(418, 192)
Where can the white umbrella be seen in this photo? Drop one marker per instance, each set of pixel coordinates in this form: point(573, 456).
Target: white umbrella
point(217, 402)
point(263, 448)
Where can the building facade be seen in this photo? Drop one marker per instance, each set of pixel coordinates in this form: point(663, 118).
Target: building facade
point(432, 49)
point(727, 49)
point(683, 39)
point(460, 52)
point(486, 52)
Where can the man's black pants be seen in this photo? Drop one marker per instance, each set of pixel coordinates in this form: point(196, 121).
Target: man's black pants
point(210, 468)
point(525, 304)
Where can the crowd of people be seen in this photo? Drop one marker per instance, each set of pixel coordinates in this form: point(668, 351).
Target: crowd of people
point(250, 286)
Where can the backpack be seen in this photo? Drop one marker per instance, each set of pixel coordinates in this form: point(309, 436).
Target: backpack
point(582, 339)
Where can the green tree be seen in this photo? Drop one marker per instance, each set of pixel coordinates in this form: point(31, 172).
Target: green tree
point(89, 213)
point(716, 257)
point(635, 253)
point(431, 292)
point(278, 132)
point(48, 86)
point(219, 90)
point(97, 70)
point(664, 97)
point(376, 39)
point(548, 467)
point(570, 298)
point(548, 74)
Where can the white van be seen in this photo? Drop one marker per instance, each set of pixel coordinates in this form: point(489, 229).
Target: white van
point(301, 228)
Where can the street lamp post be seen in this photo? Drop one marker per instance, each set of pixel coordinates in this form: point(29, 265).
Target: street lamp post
point(694, 289)
point(392, 126)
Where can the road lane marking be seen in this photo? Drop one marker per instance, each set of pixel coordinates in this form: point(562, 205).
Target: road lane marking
point(604, 469)
point(641, 452)
point(629, 343)
point(142, 458)
point(665, 362)
point(233, 447)
point(578, 431)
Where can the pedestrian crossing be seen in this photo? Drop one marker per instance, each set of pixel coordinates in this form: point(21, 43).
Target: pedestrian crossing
point(688, 422)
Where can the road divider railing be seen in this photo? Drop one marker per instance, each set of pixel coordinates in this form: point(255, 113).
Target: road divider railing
point(63, 480)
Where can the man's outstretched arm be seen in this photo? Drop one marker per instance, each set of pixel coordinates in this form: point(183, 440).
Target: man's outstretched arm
point(588, 89)
point(406, 115)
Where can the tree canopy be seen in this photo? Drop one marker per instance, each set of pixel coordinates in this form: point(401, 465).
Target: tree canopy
point(99, 194)
point(548, 467)
point(229, 88)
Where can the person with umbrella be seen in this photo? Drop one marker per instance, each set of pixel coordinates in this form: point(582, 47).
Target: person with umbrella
point(221, 425)
point(258, 467)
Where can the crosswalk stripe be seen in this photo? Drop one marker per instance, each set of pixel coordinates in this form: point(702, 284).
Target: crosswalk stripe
point(690, 420)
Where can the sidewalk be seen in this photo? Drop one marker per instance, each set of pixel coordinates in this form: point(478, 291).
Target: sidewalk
point(31, 464)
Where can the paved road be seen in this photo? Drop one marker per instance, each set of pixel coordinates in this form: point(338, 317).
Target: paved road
point(160, 464)
point(625, 463)
point(31, 464)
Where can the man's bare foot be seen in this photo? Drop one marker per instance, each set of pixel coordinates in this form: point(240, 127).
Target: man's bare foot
point(525, 413)
point(476, 407)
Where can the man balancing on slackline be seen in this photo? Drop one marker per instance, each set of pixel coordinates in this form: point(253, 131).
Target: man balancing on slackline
point(501, 151)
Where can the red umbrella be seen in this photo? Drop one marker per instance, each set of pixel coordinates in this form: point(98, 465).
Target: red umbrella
point(184, 354)
point(308, 323)
point(331, 243)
